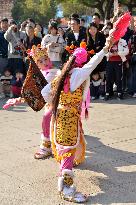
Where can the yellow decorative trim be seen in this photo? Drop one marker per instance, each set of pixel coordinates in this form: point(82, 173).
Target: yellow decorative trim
point(68, 180)
point(46, 144)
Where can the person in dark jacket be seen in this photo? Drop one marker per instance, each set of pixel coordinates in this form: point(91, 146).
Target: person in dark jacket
point(3, 46)
point(97, 20)
point(96, 41)
point(31, 39)
point(76, 34)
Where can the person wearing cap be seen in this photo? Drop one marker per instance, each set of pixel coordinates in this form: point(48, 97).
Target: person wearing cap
point(66, 93)
point(15, 48)
point(3, 46)
point(54, 44)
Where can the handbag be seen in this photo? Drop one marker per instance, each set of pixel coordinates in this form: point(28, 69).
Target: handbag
point(33, 84)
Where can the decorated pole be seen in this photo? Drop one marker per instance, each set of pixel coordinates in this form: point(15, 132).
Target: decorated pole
point(116, 5)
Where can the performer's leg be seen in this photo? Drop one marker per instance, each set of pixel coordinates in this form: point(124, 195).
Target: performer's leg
point(65, 182)
point(45, 145)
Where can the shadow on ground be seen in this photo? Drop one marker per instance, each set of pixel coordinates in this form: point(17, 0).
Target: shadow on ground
point(119, 184)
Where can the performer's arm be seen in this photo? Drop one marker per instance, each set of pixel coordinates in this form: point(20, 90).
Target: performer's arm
point(12, 102)
point(46, 93)
point(80, 75)
point(8, 35)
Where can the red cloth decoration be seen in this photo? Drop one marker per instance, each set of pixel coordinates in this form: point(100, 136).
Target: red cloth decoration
point(120, 26)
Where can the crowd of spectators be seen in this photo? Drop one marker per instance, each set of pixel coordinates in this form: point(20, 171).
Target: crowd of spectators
point(114, 76)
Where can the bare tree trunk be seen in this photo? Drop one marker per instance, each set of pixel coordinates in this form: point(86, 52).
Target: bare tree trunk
point(101, 12)
point(100, 8)
point(108, 8)
point(104, 7)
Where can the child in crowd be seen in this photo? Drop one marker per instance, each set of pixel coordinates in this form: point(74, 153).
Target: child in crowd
point(97, 87)
point(5, 84)
point(16, 84)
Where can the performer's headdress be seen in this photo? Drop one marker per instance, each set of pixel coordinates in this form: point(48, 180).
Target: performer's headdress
point(81, 53)
point(37, 52)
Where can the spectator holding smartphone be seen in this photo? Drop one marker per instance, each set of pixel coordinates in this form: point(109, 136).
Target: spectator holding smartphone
point(54, 44)
point(16, 47)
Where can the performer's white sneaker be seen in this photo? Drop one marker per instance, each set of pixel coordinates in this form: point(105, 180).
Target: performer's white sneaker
point(70, 194)
point(67, 190)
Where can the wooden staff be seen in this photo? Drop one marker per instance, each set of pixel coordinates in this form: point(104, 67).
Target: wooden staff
point(116, 5)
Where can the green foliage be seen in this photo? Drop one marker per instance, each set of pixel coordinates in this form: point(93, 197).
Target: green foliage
point(70, 7)
point(39, 10)
point(104, 7)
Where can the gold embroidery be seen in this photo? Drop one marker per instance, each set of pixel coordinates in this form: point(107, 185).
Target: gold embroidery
point(67, 125)
point(68, 180)
point(46, 144)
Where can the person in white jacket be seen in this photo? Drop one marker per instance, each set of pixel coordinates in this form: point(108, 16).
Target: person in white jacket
point(54, 44)
point(15, 49)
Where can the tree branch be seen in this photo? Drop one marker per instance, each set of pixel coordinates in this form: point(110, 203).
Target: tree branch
point(101, 2)
point(89, 4)
point(108, 8)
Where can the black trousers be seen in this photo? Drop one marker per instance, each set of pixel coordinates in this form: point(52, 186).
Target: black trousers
point(16, 64)
point(114, 73)
point(96, 91)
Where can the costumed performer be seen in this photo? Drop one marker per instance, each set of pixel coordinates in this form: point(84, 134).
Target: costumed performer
point(43, 62)
point(66, 93)
point(41, 58)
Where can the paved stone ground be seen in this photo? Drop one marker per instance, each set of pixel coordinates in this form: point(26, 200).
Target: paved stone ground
point(108, 175)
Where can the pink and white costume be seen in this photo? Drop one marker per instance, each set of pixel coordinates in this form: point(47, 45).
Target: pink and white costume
point(45, 145)
point(66, 132)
